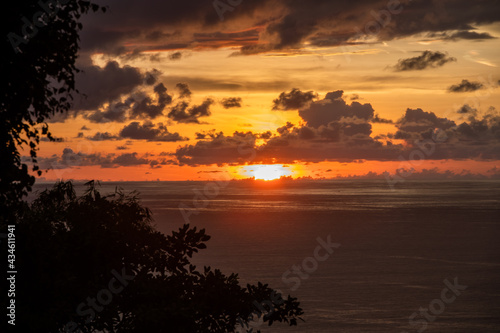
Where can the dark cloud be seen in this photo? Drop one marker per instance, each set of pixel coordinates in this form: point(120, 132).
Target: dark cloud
point(428, 59)
point(419, 124)
point(71, 159)
point(116, 111)
point(175, 56)
point(479, 131)
point(299, 145)
point(293, 100)
point(102, 137)
point(150, 132)
point(105, 84)
point(466, 109)
point(336, 131)
point(231, 102)
point(266, 25)
point(333, 108)
point(378, 120)
point(208, 134)
point(183, 89)
point(463, 34)
point(152, 77)
point(466, 86)
point(146, 108)
point(182, 113)
point(129, 159)
point(219, 149)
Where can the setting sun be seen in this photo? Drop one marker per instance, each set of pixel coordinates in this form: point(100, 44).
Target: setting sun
point(266, 171)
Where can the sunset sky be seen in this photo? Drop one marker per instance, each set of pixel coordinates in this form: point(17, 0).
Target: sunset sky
point(190, 90)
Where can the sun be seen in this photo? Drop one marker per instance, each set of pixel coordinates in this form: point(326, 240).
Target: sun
point(267, 171)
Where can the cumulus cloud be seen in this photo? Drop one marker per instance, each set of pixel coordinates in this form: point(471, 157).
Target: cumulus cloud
point(150, 132)
point(182, 113)
point(428, 59)
point(71, 159)
point(141, 105)
point(333, 108)
point(480, 131)
point(466, 109)
point(183, 89)
point(105, 84)
point(146, 108)
point(293, 100)
point(116, 112)
point(219, 149)
point(231, 102)
point(466, 86)
point(175, 56)
point(102, 137)
point(336, 131)
point(418, 124)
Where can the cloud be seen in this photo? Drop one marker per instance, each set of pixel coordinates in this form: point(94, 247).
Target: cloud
point(102, 137)
point(231, 102)
point(150, 132)
point(182, 113)
point(333, 108)
point(378, 120)
point(183, 89)
point(175, 56)
point(462, 34)
point(105, 84)
point(466, 86)
point(129, 159)
point(293, 100)
point(152, 77)
point(479, 131)
point(336, 131)
point(145, 108)
point(116, 112)
point(219, 149)
point(467, 110)
point(71, 159)
point(428, 59)
point(419, 124)
point(267, 25)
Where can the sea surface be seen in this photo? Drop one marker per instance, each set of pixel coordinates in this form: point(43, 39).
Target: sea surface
point(397, 249)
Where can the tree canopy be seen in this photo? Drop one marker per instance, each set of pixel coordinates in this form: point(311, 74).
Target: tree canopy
point(39, 49)
point(73, 247)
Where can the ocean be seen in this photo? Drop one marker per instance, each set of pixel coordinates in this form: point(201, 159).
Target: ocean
point(423, 256)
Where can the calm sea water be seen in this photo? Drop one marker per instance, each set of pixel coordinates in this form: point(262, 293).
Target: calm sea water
point(397, 247)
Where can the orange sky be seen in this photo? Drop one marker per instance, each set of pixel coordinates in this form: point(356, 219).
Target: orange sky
point(366, 73)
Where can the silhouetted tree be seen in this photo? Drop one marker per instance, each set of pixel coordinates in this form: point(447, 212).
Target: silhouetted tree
point(71, 246)
point(37, 70)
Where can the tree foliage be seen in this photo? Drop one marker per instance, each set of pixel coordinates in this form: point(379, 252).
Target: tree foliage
point(37, 68)
point(72, 244)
